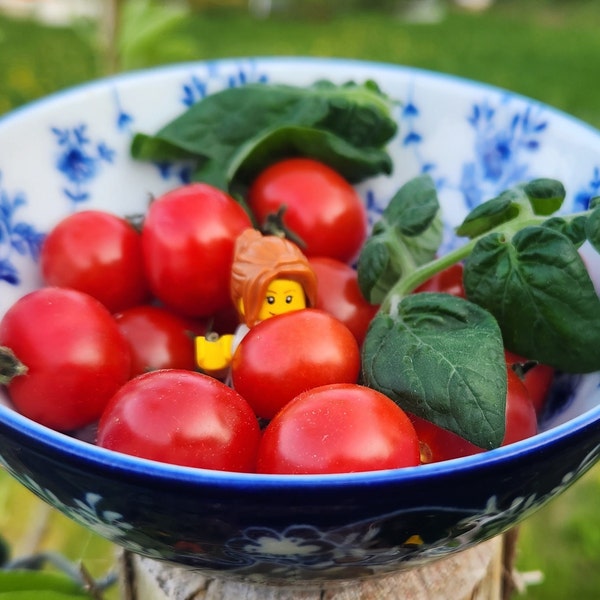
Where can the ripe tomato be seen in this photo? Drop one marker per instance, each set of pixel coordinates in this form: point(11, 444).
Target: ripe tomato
point(188, 238)
point(536, 377)
point(339, 428)
point(321, 207)
point(184, 418)
point(338, 293)
point(98, 253)
point(438, 444)
point(75, 356)
point(158, 339)
point(449, 281)
point(290, 353)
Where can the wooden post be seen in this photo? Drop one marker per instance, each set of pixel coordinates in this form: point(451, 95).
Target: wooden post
point(479, 573)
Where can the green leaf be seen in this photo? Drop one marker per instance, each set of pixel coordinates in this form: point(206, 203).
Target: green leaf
point(545, 195)
point(487, 215)
point(351, 162)
point(25, 584)
point(441, 358)
point(154, 148)
point(542, 197)
point(374, 273)
point(592, 228)
point(228, 127)
point(414, 206)
point(408, 235)
point(537, 287)
point(574, 229)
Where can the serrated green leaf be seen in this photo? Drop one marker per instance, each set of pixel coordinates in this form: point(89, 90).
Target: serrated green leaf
point(408, 235)
point(539, 290)
point(545, 195)
point(371, 268)
point(592, 228)
point(413, 207)
point(574, 229)
point(487, 215)
point(441, 358)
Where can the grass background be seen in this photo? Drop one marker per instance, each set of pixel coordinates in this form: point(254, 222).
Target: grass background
point(546, 49)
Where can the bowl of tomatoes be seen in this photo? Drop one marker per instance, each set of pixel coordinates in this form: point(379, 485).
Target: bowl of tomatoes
point(437, 383)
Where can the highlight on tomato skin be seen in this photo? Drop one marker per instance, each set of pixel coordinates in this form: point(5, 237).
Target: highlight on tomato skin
point(99, 253)
point(438, 444)
point(291, 353)
point(340, 428)
point(71, 349)
point(184, 418)
point(157, 337)
point(188, 237)
point(321, 207)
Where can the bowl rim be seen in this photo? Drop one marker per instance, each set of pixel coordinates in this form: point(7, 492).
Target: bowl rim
point(103, 458)
point(87, 452)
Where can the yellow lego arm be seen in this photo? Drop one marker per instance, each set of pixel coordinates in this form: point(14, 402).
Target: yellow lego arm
point(214, 354)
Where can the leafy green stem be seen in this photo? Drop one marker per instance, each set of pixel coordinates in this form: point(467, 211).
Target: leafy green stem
point(416, 277)
point(405, 285)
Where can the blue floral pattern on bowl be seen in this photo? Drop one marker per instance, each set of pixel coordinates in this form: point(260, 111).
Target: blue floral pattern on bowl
point(475, 141)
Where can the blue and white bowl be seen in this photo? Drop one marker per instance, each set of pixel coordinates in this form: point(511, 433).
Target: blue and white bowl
point(70, 151)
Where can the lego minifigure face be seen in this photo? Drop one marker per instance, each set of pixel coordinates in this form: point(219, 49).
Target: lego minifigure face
point(283, 295)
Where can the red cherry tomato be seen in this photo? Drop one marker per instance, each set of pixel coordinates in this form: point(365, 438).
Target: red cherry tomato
point(449, 281)
point(536, 377)
point(438, 444)
point(158, 339)
point(321, 207)
point(97, 253)
point(338, 429)
point(290, 353)
point(338, 293)
point(182, 418)
point(75, 356)
point(187, 239)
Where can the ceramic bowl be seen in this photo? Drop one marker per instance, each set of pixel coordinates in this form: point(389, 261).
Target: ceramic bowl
point(70, 151)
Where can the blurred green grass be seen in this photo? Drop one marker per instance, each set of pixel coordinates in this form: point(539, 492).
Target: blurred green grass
point(544, 49)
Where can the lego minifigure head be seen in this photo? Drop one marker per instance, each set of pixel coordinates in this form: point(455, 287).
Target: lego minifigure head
point(270, 275)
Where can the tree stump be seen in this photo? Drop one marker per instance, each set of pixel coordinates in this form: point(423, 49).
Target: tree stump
point(479, 573)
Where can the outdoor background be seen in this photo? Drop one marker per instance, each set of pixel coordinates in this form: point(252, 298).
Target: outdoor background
point(546, 49)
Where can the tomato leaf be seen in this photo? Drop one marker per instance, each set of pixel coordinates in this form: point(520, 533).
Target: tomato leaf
point(545, 195)
point(539, 290)
point(225, 128)
point(352, 162)
point(422, 356)
point(592, 227)
point(574, 228)
point(539, 197)
point(487, 215)
point(408, 235)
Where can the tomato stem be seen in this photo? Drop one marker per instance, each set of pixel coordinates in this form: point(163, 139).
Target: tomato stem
point(10, 366)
